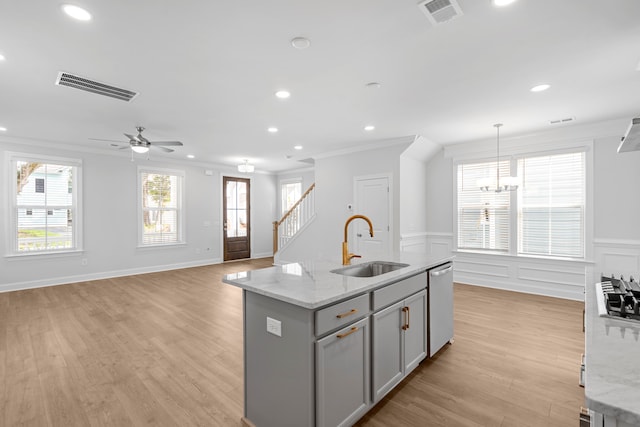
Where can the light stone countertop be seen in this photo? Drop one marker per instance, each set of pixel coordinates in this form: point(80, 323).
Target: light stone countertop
point(612, 357)
point(311, 284)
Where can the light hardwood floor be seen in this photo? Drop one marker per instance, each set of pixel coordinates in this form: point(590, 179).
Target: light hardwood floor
point(165, 349)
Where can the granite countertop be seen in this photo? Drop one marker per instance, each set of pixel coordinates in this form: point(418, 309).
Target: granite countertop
point(312, 285)
point(612, 357)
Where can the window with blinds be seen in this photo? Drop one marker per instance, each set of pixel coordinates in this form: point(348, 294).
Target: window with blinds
point(161, 199)
point(45, 204)
point(549, 211)
point(551, 205)
point(483, 216)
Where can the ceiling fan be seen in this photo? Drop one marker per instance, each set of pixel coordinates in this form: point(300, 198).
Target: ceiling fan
point(140, 144)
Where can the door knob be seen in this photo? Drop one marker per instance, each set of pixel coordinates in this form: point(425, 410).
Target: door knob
point(359, 234)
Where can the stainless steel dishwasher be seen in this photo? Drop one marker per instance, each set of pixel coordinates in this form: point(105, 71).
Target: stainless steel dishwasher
point(440, 297)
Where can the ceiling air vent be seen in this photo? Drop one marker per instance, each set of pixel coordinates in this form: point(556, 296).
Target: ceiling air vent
point(82, 83)
point(439, 11)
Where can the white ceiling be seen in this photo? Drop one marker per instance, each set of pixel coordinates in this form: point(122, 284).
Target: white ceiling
point(207, 72)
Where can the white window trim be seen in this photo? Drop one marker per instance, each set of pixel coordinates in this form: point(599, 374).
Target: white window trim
point(10, 205)
point(514, 152)
point(182, 240)
point(288, 181)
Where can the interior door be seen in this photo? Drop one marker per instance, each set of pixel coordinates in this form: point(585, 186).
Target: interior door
point(372, 200)
point(236, 214)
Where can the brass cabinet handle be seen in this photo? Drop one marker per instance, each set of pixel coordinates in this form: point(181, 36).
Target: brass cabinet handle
point(348, 313)
point(405, 310)
point(352, 330)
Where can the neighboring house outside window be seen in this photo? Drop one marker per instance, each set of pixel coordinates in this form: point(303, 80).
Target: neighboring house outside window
point(44, 200)
point(161, 217)
point(545, 216)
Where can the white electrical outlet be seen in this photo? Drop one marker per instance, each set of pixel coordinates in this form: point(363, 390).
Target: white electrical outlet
point(274, 327)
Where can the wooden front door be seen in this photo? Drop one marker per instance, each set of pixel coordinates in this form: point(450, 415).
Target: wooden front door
point(236, 229)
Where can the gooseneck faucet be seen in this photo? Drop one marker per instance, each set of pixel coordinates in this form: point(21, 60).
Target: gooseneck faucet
point(346, 256)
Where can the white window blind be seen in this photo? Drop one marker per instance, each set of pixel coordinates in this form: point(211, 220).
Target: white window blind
point(551, 205)
point(161, 195)
point(483, 217)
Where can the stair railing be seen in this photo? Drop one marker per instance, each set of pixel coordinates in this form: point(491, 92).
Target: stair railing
point(294, 219)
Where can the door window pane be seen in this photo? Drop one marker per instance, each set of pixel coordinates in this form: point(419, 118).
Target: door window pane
point(236, 209)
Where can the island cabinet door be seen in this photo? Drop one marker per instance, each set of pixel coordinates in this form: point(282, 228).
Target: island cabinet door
point(415, 331)
point(387, 355)
point(399, 342)
point(342, 375)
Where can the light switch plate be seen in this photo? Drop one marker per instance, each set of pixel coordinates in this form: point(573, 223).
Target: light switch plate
point(274, 327)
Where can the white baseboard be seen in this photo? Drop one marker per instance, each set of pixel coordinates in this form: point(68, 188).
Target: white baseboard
point(17, 286)
point(262, 255)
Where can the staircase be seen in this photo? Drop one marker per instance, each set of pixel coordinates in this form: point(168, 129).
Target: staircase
point(294, 220)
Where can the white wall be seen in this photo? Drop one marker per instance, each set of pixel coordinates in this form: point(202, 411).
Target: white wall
point(110, 222)
point(615, 243)
point(263, 212)
point(617, 210)
point(334, 177)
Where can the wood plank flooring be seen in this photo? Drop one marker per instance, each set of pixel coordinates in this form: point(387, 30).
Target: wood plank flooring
point(165, 349)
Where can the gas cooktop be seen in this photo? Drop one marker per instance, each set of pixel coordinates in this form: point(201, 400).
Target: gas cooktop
point(619, 298)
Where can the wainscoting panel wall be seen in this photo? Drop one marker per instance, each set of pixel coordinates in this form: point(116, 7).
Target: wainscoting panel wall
point(616, 257)
point(556, 278)
point(542, 276)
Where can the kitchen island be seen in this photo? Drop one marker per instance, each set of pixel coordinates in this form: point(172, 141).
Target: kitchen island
point(612, 380)
point(321, 348)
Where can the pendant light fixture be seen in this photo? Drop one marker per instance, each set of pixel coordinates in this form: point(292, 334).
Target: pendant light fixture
point(246, 167)
point(509, 183)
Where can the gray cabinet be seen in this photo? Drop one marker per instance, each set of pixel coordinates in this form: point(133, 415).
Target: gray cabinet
point(399, 342)
point(328, 366)
point(342, 375)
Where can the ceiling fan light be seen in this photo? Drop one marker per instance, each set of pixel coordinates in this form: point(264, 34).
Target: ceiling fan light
point(140, 149)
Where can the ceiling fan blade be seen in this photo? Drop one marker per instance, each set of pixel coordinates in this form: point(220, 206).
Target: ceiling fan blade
point(166, 150)
point(108, 140)
point(166, 143)
point(131, 137)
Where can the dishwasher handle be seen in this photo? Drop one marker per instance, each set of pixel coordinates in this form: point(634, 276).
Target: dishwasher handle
point(441, 272)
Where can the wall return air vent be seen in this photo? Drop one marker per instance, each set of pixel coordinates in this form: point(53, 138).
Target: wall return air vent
point(439, 11)
point(88, 85)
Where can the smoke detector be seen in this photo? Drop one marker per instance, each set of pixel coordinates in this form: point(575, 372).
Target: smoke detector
point(439, 11)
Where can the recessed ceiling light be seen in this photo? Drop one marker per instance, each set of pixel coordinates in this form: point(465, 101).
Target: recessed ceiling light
point(283, 94)
point(76, 12)
point(502, 2)
point(191, 156)
point(300, 42)
point(272, 129)
point(298, 147)
point(369, 128)
point(3, 129)
point(2, 58)
point(540, 88)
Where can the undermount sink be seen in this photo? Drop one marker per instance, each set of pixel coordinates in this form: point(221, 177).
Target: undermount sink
point(369, 269)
